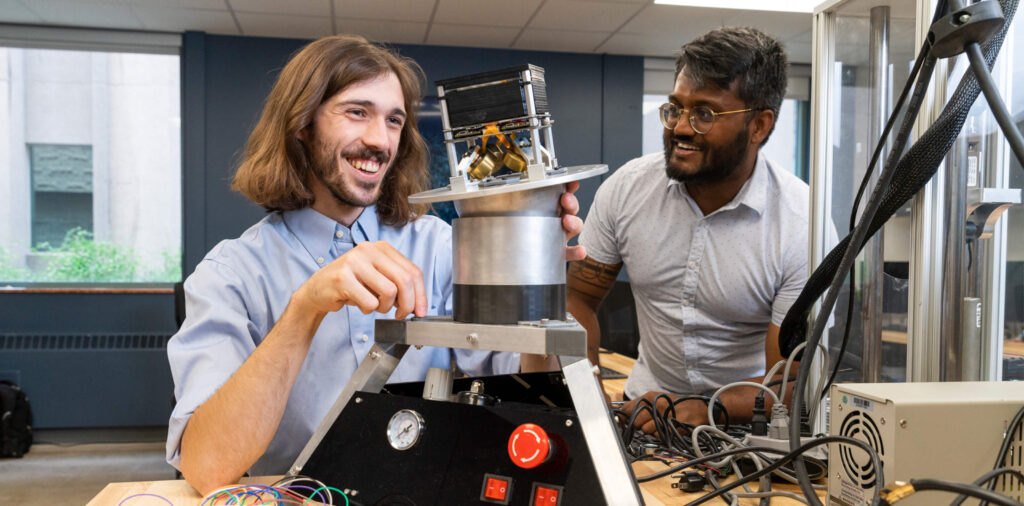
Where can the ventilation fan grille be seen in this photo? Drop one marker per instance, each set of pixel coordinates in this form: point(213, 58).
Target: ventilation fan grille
point(856, 463)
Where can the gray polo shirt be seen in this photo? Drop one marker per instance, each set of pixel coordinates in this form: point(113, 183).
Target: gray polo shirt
point(706, 287)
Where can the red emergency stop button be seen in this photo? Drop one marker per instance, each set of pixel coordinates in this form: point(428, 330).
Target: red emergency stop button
point(529, 446)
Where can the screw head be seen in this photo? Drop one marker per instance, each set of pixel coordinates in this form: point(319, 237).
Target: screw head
point(472, 338)
point(839, 407)
point(568, 423)
point(882, 419)
point(963, 18)
point(374, 355)
point(903, 424)
point(359, 400)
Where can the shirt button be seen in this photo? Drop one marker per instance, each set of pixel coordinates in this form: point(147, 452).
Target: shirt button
point(339, 234)
point(364, 338)
point(693, 265)
point(319, 260)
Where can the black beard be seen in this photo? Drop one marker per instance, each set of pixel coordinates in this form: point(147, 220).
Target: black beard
point(325, 168)
point(718, 164)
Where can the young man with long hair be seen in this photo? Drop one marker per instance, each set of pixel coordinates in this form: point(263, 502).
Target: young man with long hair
point(279, 318)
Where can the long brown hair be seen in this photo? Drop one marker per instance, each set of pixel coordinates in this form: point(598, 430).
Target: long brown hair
point(275, 171)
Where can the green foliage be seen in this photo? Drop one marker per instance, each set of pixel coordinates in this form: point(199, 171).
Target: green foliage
point(170, 271)
point(80, 259)
point(9, 271)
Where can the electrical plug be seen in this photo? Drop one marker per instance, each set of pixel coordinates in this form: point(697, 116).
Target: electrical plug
point(778, 428)
point(759, 422)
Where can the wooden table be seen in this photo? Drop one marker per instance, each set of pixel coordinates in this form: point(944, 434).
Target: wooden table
point(1010, 346)
point(655, 493)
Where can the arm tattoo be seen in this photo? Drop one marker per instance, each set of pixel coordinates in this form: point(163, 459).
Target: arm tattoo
point(592, 279)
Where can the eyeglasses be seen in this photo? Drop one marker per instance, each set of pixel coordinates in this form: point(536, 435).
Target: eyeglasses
point(702, 118)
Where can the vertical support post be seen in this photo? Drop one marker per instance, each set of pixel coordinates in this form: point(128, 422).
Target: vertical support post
point(453, 162)
point(951, 333)
point(531, 110)
point(871, 290)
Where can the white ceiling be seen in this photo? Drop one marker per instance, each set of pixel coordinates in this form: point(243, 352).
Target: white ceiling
point(634, 27)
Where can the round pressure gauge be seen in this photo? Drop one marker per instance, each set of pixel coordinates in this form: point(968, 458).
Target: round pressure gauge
point(405, 429)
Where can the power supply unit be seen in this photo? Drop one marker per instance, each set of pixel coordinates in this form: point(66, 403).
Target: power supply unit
point(950, 431)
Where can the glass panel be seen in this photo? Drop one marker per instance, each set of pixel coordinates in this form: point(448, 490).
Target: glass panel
point(90, 170)
point(856, 121)
point(1013, 321)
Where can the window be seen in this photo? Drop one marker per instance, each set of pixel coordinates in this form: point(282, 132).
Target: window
point(90, 166)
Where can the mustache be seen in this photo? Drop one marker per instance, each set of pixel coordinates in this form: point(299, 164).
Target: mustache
point(688, 139)
point(365, 153)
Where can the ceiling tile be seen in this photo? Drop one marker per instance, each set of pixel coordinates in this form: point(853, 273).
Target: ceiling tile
point(560, 40)
point(393, 10)
point(12, 11)
point(782, 25)
point(82, 13)
point(297, 7)
point(485, 12)
point(179, 20)
point(680, 24)
point(278, 25)
point(583, 16)
point(213, 5)
point(398, 32)
point(479, 36)
point(641, 44)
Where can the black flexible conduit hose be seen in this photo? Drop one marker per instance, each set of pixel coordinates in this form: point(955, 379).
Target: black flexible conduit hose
point(896, 185)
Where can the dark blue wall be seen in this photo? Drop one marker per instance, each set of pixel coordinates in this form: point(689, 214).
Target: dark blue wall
point(594, 99)
point(91, 360)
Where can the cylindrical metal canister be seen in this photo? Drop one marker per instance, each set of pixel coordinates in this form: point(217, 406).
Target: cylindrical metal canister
point(509, 258)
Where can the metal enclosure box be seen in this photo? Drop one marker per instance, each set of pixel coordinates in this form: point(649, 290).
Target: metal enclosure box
point(950, 431)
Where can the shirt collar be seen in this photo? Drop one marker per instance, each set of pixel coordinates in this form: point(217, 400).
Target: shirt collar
point(753, 194)
point(316, 232)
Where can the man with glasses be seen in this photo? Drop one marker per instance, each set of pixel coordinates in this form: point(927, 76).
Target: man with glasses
point(712, 234)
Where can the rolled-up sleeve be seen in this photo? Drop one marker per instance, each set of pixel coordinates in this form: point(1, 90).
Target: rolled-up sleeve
point(216, 337)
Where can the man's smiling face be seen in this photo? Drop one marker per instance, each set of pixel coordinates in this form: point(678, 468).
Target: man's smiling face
point(692, 157)
point(354, 139)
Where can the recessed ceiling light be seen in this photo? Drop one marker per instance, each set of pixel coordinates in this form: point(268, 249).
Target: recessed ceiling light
point(805, 6)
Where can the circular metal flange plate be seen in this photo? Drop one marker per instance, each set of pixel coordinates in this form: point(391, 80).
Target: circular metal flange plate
point(571, 174)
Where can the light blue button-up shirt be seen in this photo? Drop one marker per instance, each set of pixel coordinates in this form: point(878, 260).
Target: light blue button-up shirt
point(242, 287)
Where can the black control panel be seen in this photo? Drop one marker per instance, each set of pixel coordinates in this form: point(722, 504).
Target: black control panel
point(395, 449)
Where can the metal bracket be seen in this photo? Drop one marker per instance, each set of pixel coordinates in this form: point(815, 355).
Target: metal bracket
point(986, 205)
point(974, 23)
point(547, 338)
